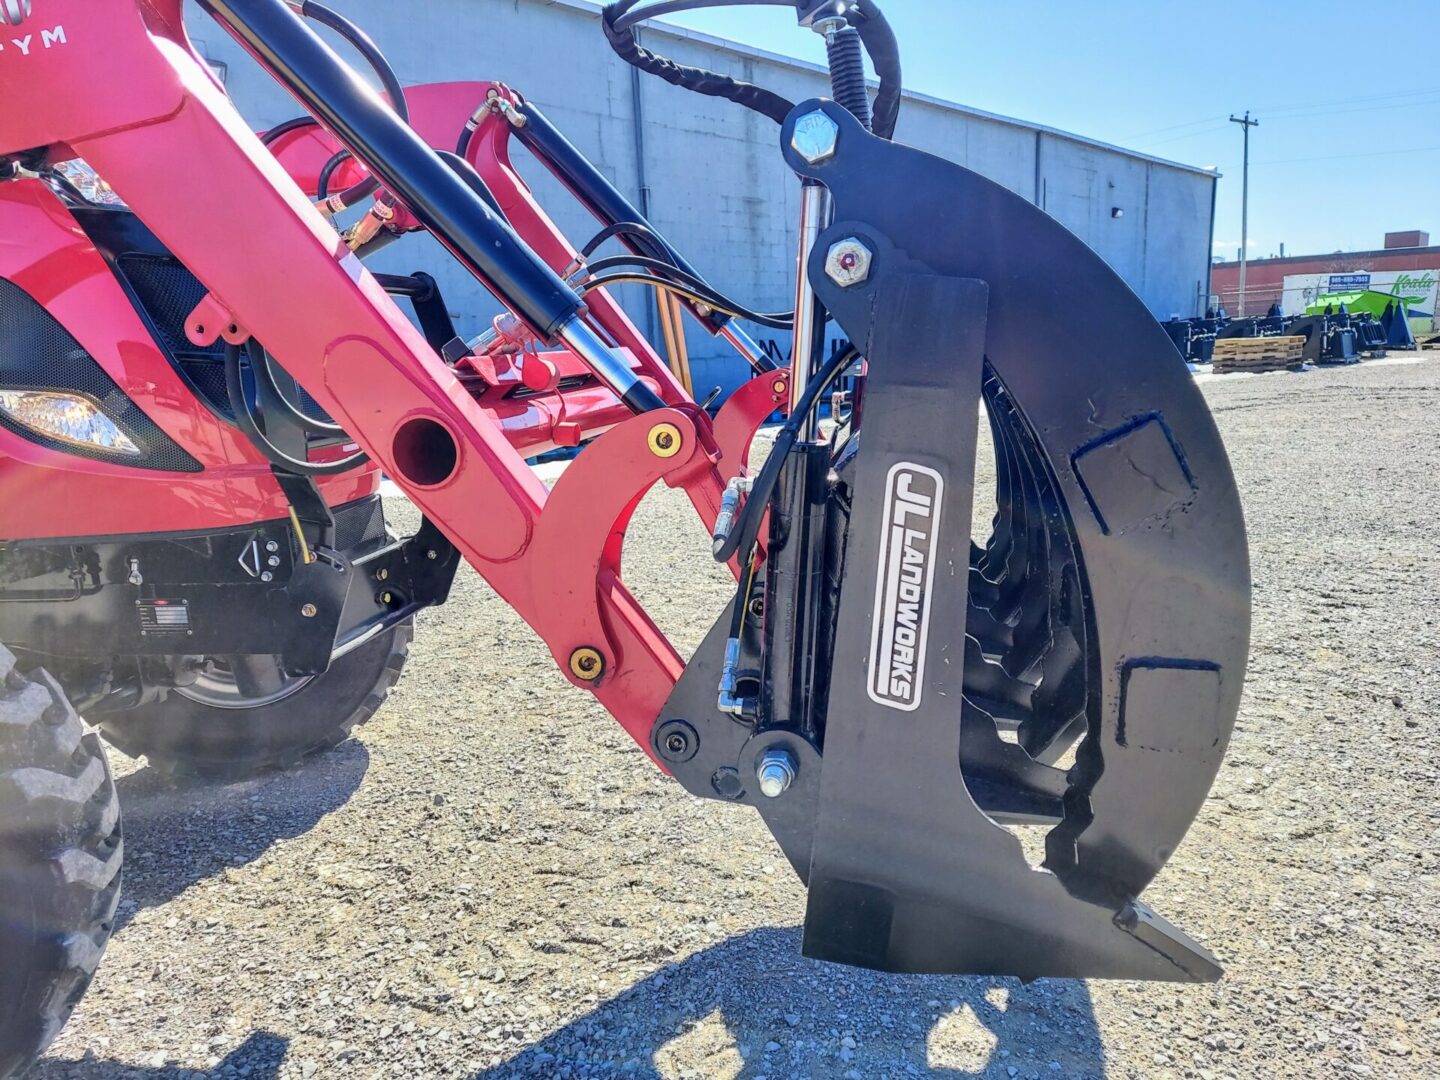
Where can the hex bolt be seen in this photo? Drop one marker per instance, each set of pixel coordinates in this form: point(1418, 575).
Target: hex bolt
point(309, 611)
point(382, 574)
point(273, 560)
point(272, 545)
point(776, 772)
point(815, 137)
point(848, 262)
point(432, 554)
point(267, 576)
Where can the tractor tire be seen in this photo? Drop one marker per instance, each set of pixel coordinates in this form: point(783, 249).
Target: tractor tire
point(60, 854)
point(212, 731)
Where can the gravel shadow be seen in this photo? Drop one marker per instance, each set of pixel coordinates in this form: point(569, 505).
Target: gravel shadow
point(181, 832)
point(259, 1057)
point(753, 1008)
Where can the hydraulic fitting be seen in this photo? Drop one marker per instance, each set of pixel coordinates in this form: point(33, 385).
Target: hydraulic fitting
point(729, 507)
point(369, 226)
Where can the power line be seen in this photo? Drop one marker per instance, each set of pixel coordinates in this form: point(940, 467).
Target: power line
point(1174, 127)
point(1353, 100)
point(1302, 110)
point(1344, 157)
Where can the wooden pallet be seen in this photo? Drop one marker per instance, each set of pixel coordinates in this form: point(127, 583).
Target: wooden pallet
point(1258, 354)
point(1259, 368)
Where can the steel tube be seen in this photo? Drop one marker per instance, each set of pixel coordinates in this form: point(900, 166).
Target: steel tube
point(747, 347)
point(638, 396)
point(814, 217)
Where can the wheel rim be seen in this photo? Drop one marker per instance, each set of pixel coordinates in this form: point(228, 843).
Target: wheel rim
point(218, 688)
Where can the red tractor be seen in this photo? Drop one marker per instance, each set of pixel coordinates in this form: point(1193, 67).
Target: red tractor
point(195, 554)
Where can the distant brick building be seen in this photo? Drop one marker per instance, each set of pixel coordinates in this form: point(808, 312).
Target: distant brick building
point(1265, 278)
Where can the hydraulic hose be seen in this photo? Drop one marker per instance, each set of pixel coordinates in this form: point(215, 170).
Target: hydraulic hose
point(630, 228)
point(779, 320)
point(327, 171)
point(260, 369)
point(884, 52)
point(285, 127)
point(466, 172)
point(709, 298)
point(846, 54)
point(245, 419)
point(747, 523)
point(365, 45)
point(621, 17)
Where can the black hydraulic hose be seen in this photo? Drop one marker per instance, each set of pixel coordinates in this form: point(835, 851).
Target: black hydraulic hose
point(636, 277)
point(694, 283)
point(441, 201)
point(620, 31)
point(631, 228)
point(285, 127)
point(466, 172)
point(366, 47)
point(406, 285)
point(747, 523)
point(260, 369)
point(322, 185)
point(245, 419)
point(462, 144)
point(884, 52)
point(620, 19)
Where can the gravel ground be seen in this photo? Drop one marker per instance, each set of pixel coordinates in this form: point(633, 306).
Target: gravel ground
point(492, 882)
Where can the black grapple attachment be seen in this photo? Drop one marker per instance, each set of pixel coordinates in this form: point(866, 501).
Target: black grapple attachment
point(1072, 669)
point(905, 691)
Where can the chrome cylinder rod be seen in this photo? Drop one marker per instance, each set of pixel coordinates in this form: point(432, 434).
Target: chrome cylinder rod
point(610, 366)
point(814, 217)
point(758, 359)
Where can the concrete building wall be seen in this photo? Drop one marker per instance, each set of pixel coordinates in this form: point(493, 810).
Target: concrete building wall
point(713, 177)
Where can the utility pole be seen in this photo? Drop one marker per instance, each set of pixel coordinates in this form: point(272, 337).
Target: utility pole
point(1245, 124)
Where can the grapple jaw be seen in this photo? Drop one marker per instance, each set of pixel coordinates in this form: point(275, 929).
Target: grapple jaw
point(1080, 669)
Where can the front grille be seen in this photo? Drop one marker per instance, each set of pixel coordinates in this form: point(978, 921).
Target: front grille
point(168, 293)
point(37, 353)
point(359, 523)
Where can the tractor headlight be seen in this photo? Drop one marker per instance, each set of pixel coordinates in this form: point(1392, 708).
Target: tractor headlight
point(66, 418)
point(89, 183)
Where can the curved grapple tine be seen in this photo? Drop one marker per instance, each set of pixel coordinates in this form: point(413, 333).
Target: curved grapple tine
point(905, 871)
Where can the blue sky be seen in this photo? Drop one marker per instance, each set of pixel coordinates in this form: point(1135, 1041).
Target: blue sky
point(1348, 145)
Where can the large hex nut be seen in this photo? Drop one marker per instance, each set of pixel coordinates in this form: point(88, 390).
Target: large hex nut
point(815, 136)
point(848, 262)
